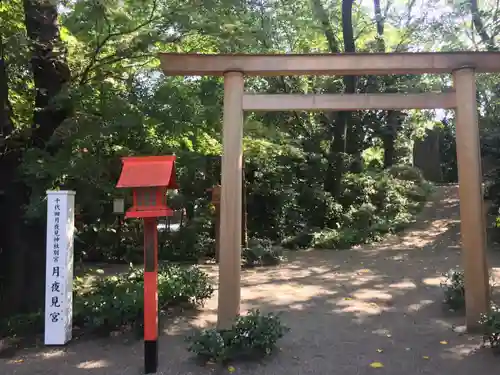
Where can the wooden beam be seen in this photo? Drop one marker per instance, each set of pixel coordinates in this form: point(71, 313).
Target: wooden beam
point(346, 102)
point(231, 204)
point(472, 222)
point(174, 64)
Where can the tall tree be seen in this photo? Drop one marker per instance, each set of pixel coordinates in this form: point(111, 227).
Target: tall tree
point(336, 121)
point(50, 69)
point(6, 125)
point(11, 198)
point(477, 20)
point(8, 164)
point(389, 131)
point(23, 245)
point(353, 133)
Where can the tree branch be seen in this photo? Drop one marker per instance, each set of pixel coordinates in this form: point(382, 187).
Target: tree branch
point(84, 75)
point(324, 20)
point(480, 28)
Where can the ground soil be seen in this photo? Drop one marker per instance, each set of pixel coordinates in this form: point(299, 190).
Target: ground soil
point(346, 310)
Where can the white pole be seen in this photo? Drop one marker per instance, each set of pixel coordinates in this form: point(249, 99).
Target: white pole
point(59, 267)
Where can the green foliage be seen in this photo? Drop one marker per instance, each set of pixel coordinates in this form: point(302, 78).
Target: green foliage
point(372, 204)
point(191, 242)
point(491, 325)
point(114, 302)
point(122, 105)
point(261, 252)
point(22, 325)
point(406, 173)
point(454, 289)
point(251, 336)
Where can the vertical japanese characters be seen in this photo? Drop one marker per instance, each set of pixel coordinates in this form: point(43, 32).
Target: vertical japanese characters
point(56, 294)
point(59, 267)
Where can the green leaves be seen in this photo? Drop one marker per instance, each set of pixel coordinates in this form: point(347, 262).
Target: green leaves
point(253, 335)
point(454, 289)
point(116, 301)
point(107, 303)
point(261, 252)
point(491, 323)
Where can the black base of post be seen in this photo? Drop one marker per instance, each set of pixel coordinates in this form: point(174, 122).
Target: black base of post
point(150, 357)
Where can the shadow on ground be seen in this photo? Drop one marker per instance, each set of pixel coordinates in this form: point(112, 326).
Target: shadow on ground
point(346, 310)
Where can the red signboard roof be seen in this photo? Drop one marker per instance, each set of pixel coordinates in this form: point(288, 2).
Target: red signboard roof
point(148, 171)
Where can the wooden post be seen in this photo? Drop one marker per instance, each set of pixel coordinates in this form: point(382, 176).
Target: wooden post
point(473, 231)
point(216, 203)
point(244, 218)
point(230, 206)
point(150, 295)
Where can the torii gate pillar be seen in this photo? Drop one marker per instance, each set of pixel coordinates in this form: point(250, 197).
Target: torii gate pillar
point(472, 217)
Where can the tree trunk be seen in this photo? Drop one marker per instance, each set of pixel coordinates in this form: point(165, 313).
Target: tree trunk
point(12, 249)
point(51, 73)
point(6, 126)
point(390, 131)
point(389, 149)
point(488, 40)
point(354, 135)
point(335, 122)
point(23, 244)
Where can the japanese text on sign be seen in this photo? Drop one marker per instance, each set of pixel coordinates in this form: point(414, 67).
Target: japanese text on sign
point(59, 267)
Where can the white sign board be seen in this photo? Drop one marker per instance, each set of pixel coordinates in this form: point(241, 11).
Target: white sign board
point(59, 267)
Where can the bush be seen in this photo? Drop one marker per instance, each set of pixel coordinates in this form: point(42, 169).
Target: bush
point(261, 252)
point(190, 243)
point(112, 302)
point(22, 325)
point(374, 203)
point(454, 289)
point(251, 336)
point(406, 173)
point(491, 324)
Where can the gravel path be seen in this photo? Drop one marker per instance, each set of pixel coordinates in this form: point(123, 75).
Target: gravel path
point(346, 309)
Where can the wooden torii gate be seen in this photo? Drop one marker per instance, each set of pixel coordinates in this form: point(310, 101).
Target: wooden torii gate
point(233, 67)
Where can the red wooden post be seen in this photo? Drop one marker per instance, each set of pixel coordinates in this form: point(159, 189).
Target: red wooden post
point(150, 177)
point(150, 295)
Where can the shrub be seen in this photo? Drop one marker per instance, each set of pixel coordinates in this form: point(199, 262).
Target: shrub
point(302, 240)
point(190, 243)
point(406, 173)
point(491, 324)
point(261, 252)
point(375, 203)
point(113, 302)
point(454, 289)
point(251, 336)
point(22, 324)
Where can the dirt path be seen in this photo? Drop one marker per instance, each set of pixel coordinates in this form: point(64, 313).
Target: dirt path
point(346, 310)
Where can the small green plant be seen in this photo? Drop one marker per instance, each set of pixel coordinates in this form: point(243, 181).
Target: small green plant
point(491, 324)
point(112, 302)
point(115, 302)
point(22, 324)
point(406, 173)
point(252, 336)
point(261, 252)
point(454, 289)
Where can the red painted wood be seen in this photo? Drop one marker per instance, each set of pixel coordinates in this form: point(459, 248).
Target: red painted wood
point(150, 279)
point(150, 306)
point(148, 171)
point(150, 213)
